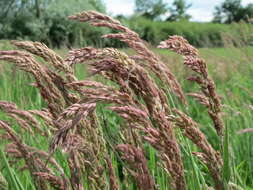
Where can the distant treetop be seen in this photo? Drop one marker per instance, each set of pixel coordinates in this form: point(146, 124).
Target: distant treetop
point(178, 11)
point(233, 11)
point(151, 9)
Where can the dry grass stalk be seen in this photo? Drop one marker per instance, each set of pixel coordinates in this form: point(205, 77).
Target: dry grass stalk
point(142, 85)
point(75, 171)
point(137, 98)
point(162, 139)
point(113, 180)
point(57, 64)
point(46, 116)
point(54, 90)
point(50, 93)
point(81, 112)
point(55, 182)
point(119, 66)
point(29, 159)
point(83, 160)
point(214, 170)
point(22, 117)
point(138, 164)
point(47, 54)
point(209, 156)
point(208, 95)
point(247, 130)
point(38, 158)
point(134, 41)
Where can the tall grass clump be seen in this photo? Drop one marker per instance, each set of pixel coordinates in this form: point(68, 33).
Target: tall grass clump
point(126, 126)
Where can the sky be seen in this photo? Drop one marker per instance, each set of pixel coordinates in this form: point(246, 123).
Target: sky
point(201, 10)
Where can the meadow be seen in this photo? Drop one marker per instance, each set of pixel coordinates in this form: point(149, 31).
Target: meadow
point(116, 148)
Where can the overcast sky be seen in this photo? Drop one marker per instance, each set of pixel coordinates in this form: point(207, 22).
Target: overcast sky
point(201, 10)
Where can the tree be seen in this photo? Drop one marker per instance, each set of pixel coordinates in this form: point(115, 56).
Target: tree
point(6, 6)
point(248, 12)
point(229, 11)
point(44, 20)
point(151, 9)
point(232, 11)
point(178, 11)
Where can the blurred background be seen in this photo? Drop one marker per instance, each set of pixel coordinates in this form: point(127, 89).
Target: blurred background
point(215, 23)
point(222, 30)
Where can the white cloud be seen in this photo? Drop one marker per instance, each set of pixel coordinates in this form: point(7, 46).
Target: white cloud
point(245, 2)
point(116, 7)
point(200, 15)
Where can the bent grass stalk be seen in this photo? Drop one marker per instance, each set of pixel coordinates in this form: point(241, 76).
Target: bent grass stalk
point(136, 97)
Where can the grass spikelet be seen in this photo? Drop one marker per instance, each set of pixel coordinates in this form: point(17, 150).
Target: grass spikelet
point(47, 54)
point(125, 127)
point(191, 59)
point(81, 112)
point(134, 41)
point(113, 179)
point(138, 164)
point(54, 181)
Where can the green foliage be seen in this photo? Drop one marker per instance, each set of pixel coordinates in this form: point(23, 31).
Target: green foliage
point(66, 8)
point(178, 11)
point(49, 23)
point(198, 34)
point(13, 181)
point(12, 8)
point(232, 11)
point(46, 21)
point(151, 9)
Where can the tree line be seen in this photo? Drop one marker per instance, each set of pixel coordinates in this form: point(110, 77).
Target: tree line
point(46, 20)
point(227, 12)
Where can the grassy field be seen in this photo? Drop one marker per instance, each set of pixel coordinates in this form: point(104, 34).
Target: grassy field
point(232, 70)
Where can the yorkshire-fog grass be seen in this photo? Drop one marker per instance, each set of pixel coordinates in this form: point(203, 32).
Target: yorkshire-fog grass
point(108, 119)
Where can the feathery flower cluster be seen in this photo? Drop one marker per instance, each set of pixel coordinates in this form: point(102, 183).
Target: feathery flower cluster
point(135, 96)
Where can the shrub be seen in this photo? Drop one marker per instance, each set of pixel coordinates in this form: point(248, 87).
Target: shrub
point(198, 34)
